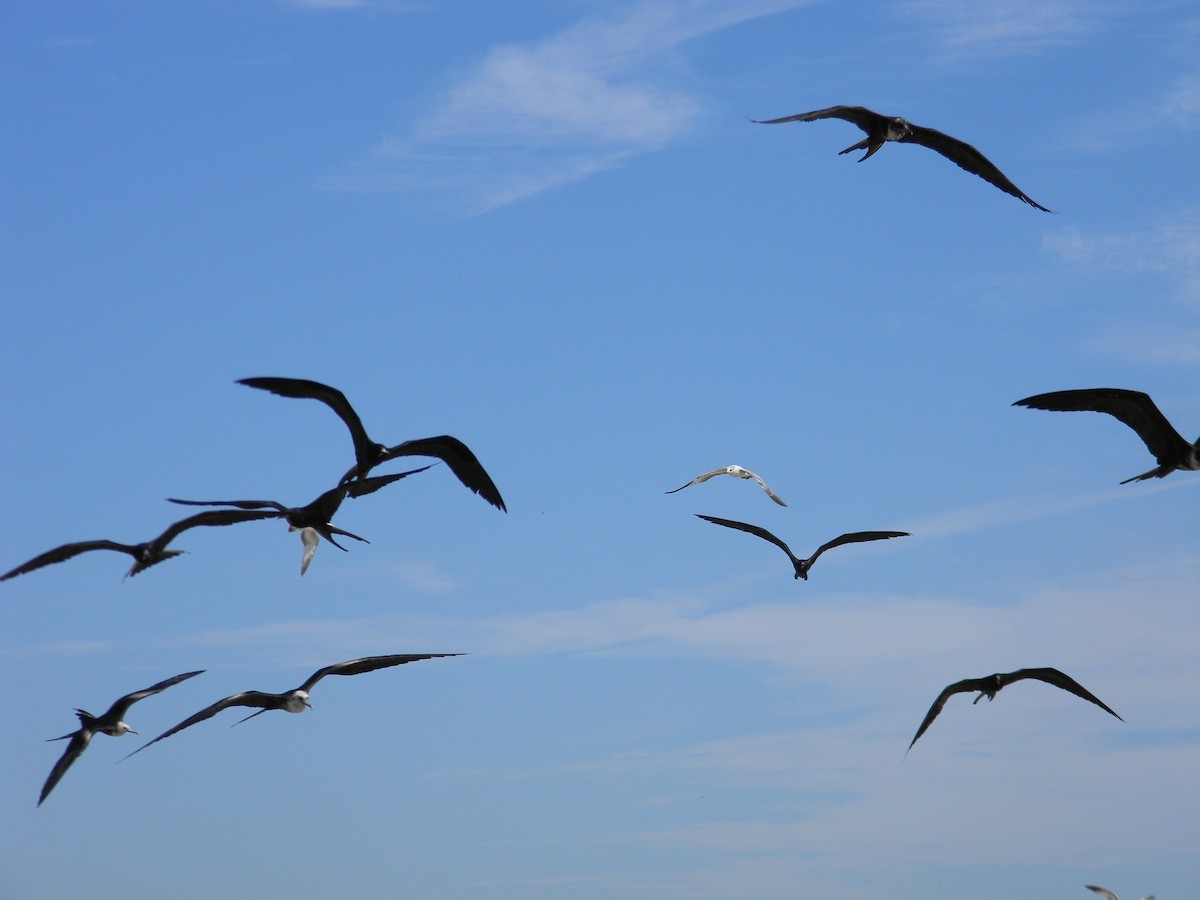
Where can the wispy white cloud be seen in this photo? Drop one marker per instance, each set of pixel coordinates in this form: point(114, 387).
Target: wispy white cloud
point(422, 576)
point(1008, 27)
point(530, 117)
point(1158, 114)
point(1169, 248)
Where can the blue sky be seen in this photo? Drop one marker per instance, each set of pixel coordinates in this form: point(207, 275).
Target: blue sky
point(551, 230)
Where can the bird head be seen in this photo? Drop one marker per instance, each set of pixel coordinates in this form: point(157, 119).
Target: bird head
point(898, 128)
point(297, 702)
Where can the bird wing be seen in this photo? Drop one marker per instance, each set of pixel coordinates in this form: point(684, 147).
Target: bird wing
point(700, 479)
point(1134, 408)
point(859, 115)
point(966, 157)
point(770, 493)
point(967, 684)
point(367, 664)
point(79, 742)
point(458, 457)
point(212, 517)
point(310, 539)
point(245, 698)
point(237, 504)
point(364, 486)
point(301, 388)
point(63, 553)
point(755, 530)
point(117, 711)
point(1104, 892)
point(855, 537)
point(1059, 680)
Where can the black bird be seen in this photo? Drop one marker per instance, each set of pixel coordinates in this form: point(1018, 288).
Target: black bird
point(991, 685)
point(110, 723)
point(369, 453)
point(803, 565)
point(313, 521)
point(1136, 410)
point(881, 129)
point(294, 701)
point(144, 555)
point(1109, 895)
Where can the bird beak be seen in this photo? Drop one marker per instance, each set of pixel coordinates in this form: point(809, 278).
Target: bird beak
point(131, 731)
point(309, 705)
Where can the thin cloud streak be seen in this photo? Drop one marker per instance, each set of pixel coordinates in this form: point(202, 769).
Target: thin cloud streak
point(532, 117)
point(1008, 27)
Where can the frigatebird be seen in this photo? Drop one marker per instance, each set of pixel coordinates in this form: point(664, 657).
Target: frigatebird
point(803, 565)
point(313, 521)
point(296, 700)
point(144, 555)
point(1136, 409)
point(736, 472)
point(368, 453)
point(110, 723)
point(880, 129)
point(991, 685)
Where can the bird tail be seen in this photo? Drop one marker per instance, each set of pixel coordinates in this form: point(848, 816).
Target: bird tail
point(871, 146)
point(1156, 472)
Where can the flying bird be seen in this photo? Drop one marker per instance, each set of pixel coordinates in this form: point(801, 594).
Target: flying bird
point(144, 555)
point(313, 521)
point(803, 565)
point(296, 700)
point(736, 472)
point(368, 453)
point(1109, 895)
point(881, 129)
point(1135, 409)
point(110, 723)
point(991, 685)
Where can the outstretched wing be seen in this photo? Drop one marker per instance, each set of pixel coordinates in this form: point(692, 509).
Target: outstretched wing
point(966, 157)
point(236, 504)
point(368, 664)
point(755, 530)
point(1059, 680)
point(63, 553)
point(212, 517)
point(458, 457)
point(1134, 408)
point(1103, 892)
point(770, 493)
point(300, 388)
point(859, 115)
point(245, 698)
point(117, 711)
point(364, 486)
point(967, 684)
point(855, 537)
point(75, 748)
point(700, 479)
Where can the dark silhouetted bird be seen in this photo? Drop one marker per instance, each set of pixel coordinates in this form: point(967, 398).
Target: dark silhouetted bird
point(1135, 409)
point(313, 521)
point(144, 555)
point(991, 685)
point(368, 453)
point(881, 129)
point(736, 472)
point(1109, 895)
point(803, 565)
point(110, 723)
point(294, 701)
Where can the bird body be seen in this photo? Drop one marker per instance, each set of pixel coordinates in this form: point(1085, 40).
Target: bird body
point(990, 685)
point(370, 453)
point(295, 700)
point(803, 565)
point(736, 472)
point(146, 554)
point(880, 129)
point(110, 723)
point(312, 521)
point(1139, 412)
